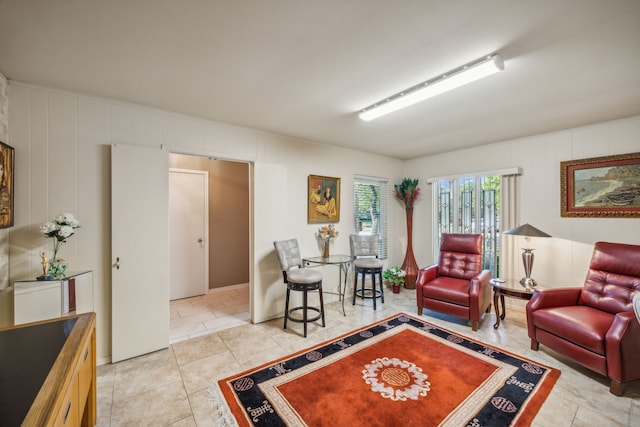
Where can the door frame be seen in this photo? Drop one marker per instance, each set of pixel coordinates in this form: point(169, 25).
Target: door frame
point(252, 203)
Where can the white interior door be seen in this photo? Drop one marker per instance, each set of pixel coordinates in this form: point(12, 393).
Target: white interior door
point(188, 233)
point(269, 225)
point(140, 251)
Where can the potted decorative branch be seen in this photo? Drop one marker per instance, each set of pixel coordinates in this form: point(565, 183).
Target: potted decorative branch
point(406, 193)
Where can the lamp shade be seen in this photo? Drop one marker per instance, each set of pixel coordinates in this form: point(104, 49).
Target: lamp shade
point(526, 230)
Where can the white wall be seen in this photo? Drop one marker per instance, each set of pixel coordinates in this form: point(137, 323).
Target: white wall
point(62, 143)
point(563, 259)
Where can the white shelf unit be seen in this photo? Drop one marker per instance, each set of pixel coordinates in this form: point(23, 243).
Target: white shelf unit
point(35, 300)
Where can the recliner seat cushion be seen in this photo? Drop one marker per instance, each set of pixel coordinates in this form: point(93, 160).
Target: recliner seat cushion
point(582, 325)
point(448, 289)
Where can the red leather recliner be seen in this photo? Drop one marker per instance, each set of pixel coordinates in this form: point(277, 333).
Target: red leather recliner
point(594, 325)
point(457, 285)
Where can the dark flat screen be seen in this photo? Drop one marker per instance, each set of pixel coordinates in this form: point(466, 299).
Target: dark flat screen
point(26, 357)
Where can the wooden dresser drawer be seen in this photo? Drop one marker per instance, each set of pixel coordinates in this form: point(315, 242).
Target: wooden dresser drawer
point(69, 412)
point(85, 371)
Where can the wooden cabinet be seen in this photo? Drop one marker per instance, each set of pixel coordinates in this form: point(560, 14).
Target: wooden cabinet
point(35, 300)
point(55, 390)
point(68, 413)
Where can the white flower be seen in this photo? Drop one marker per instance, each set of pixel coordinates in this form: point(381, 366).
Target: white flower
point(394, 275)
point(48, 227)
point(67, 219)
point(65, 231)
point(62, 227)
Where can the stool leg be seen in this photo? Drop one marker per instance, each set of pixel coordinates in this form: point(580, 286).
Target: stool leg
point(355, 285)
point(286, 309)
point(373, 290)
point(304, 311)
point(381, 287)
point(321, 305)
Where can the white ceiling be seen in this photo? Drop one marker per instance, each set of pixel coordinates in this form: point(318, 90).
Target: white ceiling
point(303, 68)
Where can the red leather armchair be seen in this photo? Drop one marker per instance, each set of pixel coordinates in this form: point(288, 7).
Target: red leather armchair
point(594, 325)
point(456, 285)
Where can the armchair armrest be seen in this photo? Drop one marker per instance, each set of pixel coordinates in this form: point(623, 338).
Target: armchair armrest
point(479, 281)
point(557, 297)
point(545, 298)
point(623, 345)
point(425, 275)
point(479, 293)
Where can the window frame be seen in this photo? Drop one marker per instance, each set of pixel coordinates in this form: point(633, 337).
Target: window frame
point(382, 211)
point(501, 214)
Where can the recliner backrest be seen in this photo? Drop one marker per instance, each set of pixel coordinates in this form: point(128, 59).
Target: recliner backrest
point(460, 255)
point(613, 277)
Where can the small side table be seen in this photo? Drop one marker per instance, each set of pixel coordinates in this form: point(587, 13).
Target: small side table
point(510, 288)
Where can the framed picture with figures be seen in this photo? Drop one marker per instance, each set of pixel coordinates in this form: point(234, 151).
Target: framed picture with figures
point(323, 199)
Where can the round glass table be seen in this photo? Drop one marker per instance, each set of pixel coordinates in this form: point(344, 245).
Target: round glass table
point(510, 288)
point(343, 262)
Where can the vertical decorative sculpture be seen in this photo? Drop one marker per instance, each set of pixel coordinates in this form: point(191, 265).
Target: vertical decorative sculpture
point(45, 267)
point(407, 192)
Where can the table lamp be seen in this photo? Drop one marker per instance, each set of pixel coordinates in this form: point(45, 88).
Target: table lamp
point(528, 231)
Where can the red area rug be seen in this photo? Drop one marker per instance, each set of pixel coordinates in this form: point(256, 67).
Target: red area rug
point(399, 371)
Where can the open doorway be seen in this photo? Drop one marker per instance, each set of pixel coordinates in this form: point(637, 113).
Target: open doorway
point(225, 299)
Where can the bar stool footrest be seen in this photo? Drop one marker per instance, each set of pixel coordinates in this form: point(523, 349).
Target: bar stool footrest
point(373, 293)
point(301, 320)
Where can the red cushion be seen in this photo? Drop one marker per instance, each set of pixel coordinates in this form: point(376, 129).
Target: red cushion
point(583, 325)
point(613, 277)
point(459, 265)
point(448, 289)
point(460, 255)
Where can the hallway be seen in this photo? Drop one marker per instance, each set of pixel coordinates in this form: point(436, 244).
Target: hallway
point(220, 309)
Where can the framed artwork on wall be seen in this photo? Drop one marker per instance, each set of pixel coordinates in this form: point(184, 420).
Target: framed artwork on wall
point(6, 185)
point(601, 187)
point(323, 199)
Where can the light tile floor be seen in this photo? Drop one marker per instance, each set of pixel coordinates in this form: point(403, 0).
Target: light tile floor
point(220, 309)
point(169, 387)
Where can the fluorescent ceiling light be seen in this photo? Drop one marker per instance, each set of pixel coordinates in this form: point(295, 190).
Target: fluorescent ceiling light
point(460, 76)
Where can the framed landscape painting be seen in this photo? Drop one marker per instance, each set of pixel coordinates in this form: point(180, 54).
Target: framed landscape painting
point(6, 185)
point(323, 199)
point(601, 187)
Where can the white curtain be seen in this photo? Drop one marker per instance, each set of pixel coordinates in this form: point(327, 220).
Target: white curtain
point(509, 255)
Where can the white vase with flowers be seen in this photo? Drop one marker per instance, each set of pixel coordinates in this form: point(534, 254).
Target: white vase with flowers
point(59, 229)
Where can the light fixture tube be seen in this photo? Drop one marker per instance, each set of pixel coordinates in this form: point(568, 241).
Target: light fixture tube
point(460, 76)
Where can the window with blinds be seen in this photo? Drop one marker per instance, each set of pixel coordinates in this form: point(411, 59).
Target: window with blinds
point(370, 196)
